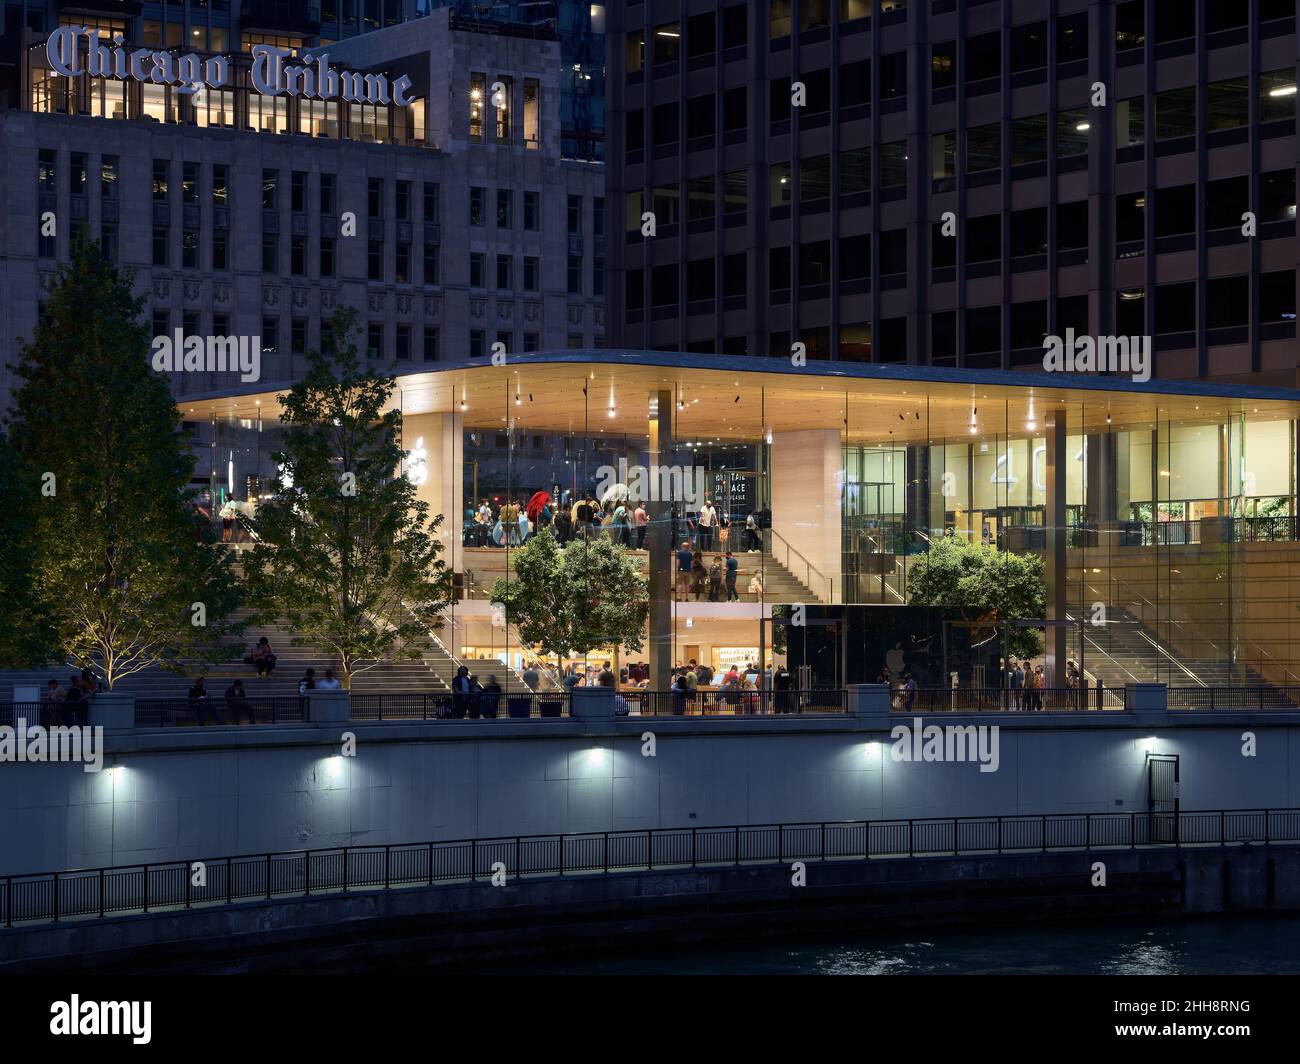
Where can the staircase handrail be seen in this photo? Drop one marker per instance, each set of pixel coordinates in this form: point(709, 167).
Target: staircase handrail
point(810, 569)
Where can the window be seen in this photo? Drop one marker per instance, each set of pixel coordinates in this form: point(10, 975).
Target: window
point(1227, 302)
point(431, 343)
point(598, 216)
point(375, 197)
point(505, 272)
point(401, 263)
point(855, 170)
point(532, 211)
point(327, 256)
point(893, 163)
point(1072, 226)
point(664, 205)
point(983, 330)
point(700, 279)
point(402, 201)
point(47, 174)
point(664, 124)
point(700, 118)
point(298, 191)
point(893, 76)
point(1277, 296)
point(814, 14)
point(983, 148)
point(700, 198)
point(532, 114)
point(432, 202)
point(779, 19)
point(893, 251)
point(1176, 113)
point(983, 238)
point(598, 276)
point(735, 197)
point(502, 104)
point(190, 249)
point(943, 249)
point(1175, 20)
point(855, 342)
point(1175, 210)
point(1130, 218)
point(1029, 232)
point(1029, 140)
point(160, 242)
point(667, 43)
point(983, 56)
point(1072, 37)
point(530, 341)
point(814, 263)
point(734, 278)
point(1131, 312)
point(1225, 202)
point(477, 338)
point(220, 249)
point(298, 256)
point(779, 190)
point(574, 216)
point(1072, 132)
point(1028, 324)
point(1277, 196)
point(943, 65)
point(1176, 307)
point(270, 188)
point(505, 208)
point(375, 260)
point(108, 175)
point(297, 336)
point(477, 205)
point(815, 178)
point(663, 285)
point(778, 100)
point(1277, 91)
point(270, 335)
point(189, 184)
point(1028, 46)
point(402, 342)
point(430, 263)
point(855, 83)
point(855, 257)
point(573, 275)
point(634, 51)
point(735, 109)
point(735, 26)
point(634, 290)
point(778, 269)
point(375, 340)
point(477, 266)
point(532, 273)
point(1227, 103)
point(1130, 25)
point(477, 103)
point(1130, 121)
point(160, 180)
point(328, 204)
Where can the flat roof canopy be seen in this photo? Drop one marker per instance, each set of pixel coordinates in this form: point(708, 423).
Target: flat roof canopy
point(738, 398)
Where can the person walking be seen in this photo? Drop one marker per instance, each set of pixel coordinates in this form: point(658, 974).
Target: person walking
point(642, 520)
point(706, 522)
point(684, 560)
point(733, 568)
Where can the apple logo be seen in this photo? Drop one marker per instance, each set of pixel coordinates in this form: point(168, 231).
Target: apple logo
point(894, 659)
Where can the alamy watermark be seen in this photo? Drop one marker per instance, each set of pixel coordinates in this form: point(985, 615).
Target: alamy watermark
point(208, 354)
point(1098, 354)
point(657, 483)
point(952, 742)
point(59, 743)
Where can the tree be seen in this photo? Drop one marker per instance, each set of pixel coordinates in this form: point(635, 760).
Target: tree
point(575, 599)
point(119, 581)
point(1000, 585)
point(27, 638)
point(345, 554)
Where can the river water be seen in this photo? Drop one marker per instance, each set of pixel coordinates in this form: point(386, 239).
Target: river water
point(1218, 945)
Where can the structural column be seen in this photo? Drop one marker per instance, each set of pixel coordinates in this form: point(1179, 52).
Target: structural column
point(659, 543)
point(1057, 536)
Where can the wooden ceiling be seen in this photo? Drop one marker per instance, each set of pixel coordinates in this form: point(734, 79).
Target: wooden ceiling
point(721, 405)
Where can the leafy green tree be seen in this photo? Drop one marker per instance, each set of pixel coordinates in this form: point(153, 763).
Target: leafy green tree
point(345, 554)
point(27, 637)
point(122, 577)
point(978, 577)
point(575, 599)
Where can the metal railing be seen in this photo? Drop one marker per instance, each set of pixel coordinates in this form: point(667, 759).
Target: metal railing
point(1213, 698)
point(183, 713)
point(995, 700)
point(447, 706)
point(169, 886)
point(735, 702)
point(821, 587)
point(46, 714)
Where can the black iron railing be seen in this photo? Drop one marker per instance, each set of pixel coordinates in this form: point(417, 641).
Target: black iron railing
point(170, 886)
point(735, 702)
point(46, 714)
point(1216, 698)
point(483, 705)
point(1002, 700)
point(185, 713)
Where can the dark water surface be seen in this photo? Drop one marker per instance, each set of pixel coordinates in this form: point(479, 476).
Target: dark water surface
point(1218, 945)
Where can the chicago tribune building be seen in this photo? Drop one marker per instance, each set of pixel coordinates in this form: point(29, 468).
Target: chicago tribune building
point(434, 200)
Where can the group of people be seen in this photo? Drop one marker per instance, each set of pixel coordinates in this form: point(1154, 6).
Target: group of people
point(1025, 683)
point(717, 581)
point(902, 689)
point(237, 705)
point(70, 705)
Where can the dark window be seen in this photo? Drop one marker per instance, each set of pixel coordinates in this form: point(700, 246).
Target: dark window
point(532, 211)
point(663, 285)
point(735, 108)
point(984, 238)
point(477, 205)
point(505, 208)
point(815, 262)
point(403, 342)
point(699, 279)
point(943, 65)
point(701, 34)
point(401, 263)
point(778, 269)
point(1130, 25)
point(220, 184)
point(270, 188)
point(1226, 200)
point(476, 269)
point(1131, 312)
point(1176, 307)
point(1175, 19)
point(893, 75)
point(1277, 296)
point(1277, 195)
point(983, 329)
point(1227, 302)
point(1029, 232)
point(433, 201)
point(943, 249)
point(855, 83)
point(700, 117)
point(431, 343)
point(327, 191)
point(1029, 46)
point(634, 289)
point(189, 183)
point(893, 251)
point(298, 256)
point(1072, 225)
point(983, 56)
point(1028, 324)
point(160, 180)
point(220, 250)
point(778, 100)
point(663, 123)
point(505, 272)
point(855, 257)
point(1072, 313)
point(402, 201)
point(298, 191)
point(1131, 217)
point(734, 276)
point(573, 216)
point(160, 242)
point(735, 26)
point(375, 197)
point(1072, 37)
point(375, 340)
point(431, 262)
point(1175, 210)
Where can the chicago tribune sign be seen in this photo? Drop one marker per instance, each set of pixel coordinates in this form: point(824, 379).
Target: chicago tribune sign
point(271, 74)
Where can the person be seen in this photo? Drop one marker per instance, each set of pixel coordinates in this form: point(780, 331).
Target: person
point(237, 704)
point(755, 585)
point(724, 530)
point(733, 568)
point(491, 697)
point(752, 541)
point(781, 684)
point(1017, 683)
point(531, 676)
point(704, 675)
point(706, 521)
point(475, 698)
point(1040, 682)
point(715, 579)
point(74, 701)
point(228, 513)
point(684, 559)
point(680, 693)
point(261, 657)
point(563, 525)
point(583, 515)
point(330, 682)
point(606, 679)
point(698, 575)
point(642, 520)
point(53, 698)
point(618, 524)
point(692, 677)
point(307, 683)
point(90, 685)
point(909, 691)
point(460, 692)
point(199, 701)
